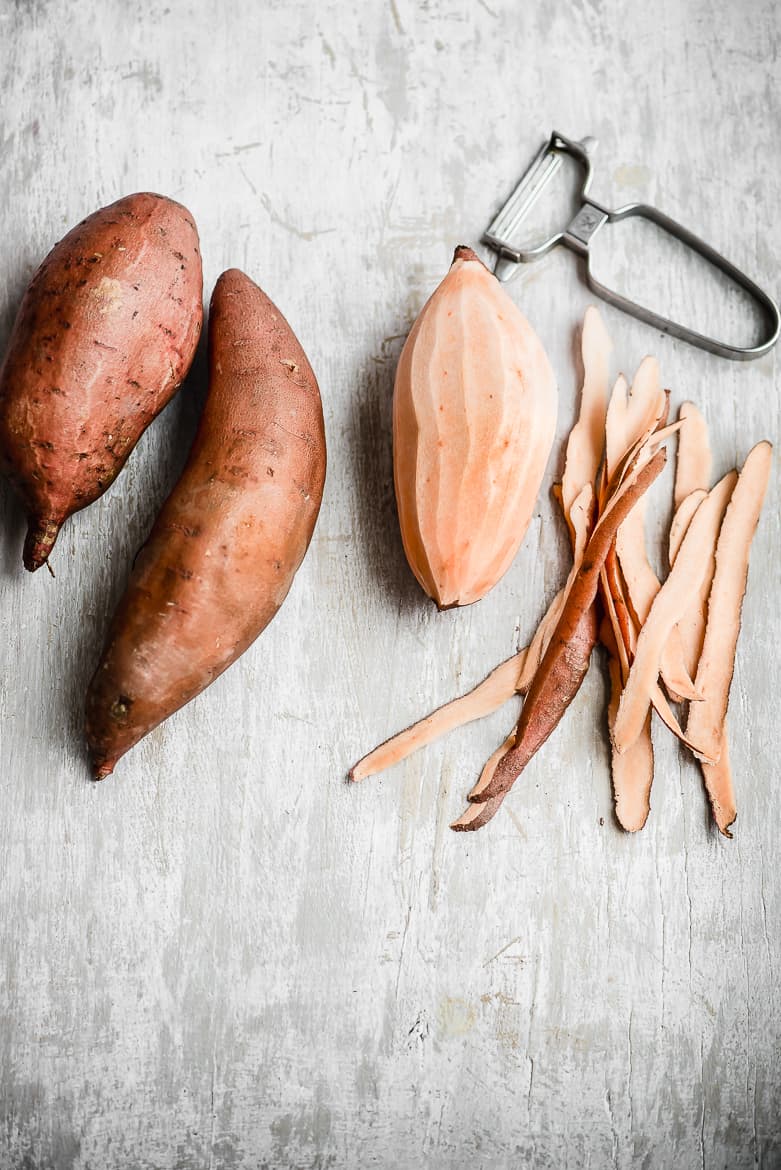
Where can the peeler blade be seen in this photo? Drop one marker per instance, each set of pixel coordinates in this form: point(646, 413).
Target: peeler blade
point(501, 233)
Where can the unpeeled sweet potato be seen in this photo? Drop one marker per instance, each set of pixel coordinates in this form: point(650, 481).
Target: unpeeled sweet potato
point(105, 334)
point(223, 552)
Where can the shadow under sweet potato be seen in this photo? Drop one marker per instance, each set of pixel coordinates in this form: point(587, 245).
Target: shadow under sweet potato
point(371, 467)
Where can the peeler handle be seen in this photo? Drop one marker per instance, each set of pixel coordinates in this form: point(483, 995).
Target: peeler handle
point(592, 216)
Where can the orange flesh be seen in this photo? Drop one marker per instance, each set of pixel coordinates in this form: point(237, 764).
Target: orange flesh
point(473, 422)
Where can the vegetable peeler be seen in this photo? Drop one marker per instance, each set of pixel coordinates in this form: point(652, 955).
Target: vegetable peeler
point(589, 219)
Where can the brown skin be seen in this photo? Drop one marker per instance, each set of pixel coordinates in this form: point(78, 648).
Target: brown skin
point(565, 662)
point(223, 552)
point(104, 336)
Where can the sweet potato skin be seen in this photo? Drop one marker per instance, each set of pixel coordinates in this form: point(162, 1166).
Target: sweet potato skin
point(223, 552)
point(105, 334)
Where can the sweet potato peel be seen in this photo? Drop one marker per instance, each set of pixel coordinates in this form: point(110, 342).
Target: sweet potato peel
point(566, 660)
point(693, 464)
point(667, 609)
point(586, 441)
point(475, 816)
point(720, 789)
point(705, 725)
point(682, 519)
point(510, 678)
point(681, 630)
point(633, 770)
point(501, 684)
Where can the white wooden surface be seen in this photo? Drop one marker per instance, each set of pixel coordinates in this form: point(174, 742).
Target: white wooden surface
point(224, 956)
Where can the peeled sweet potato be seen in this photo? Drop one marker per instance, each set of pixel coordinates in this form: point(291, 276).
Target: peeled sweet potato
point(104, 336)
point(223, 552)
point(474, 415)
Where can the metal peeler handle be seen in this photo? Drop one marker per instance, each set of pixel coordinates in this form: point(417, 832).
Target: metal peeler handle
point(590, 218)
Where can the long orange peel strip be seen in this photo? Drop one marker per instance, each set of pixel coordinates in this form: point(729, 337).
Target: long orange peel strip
point(586, 440)
point(705, 725)
point(495, 690)
point(632, 771)
point(692, 476)
point(691, 625)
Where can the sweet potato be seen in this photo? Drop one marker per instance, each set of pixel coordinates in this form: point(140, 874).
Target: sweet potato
point(104, 336)
point(223, 552)
point(474, 417)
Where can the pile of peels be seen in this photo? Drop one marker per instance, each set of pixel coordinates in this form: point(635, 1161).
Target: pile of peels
point(667, 641)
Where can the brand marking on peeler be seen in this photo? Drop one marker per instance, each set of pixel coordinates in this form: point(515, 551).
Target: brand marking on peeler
point(586, 223)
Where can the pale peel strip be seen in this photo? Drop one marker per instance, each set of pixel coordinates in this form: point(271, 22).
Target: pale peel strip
point(499, 686)
point(669, 605)
point(720, 788)
point(643, 585)
point(633, 416)
point(681, 521)
point(587, 438)
point(691, 626)
point(647, 400)
point(693, 462)
point(615, 426)
point(632, 772)
point(717, 662)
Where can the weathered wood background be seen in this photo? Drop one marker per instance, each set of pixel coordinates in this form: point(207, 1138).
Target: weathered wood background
point(224, 956)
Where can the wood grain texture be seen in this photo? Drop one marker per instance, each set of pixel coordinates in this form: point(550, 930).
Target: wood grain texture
point(225, 956)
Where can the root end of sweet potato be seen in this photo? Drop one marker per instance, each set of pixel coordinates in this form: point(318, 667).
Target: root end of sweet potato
point(39, 542)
